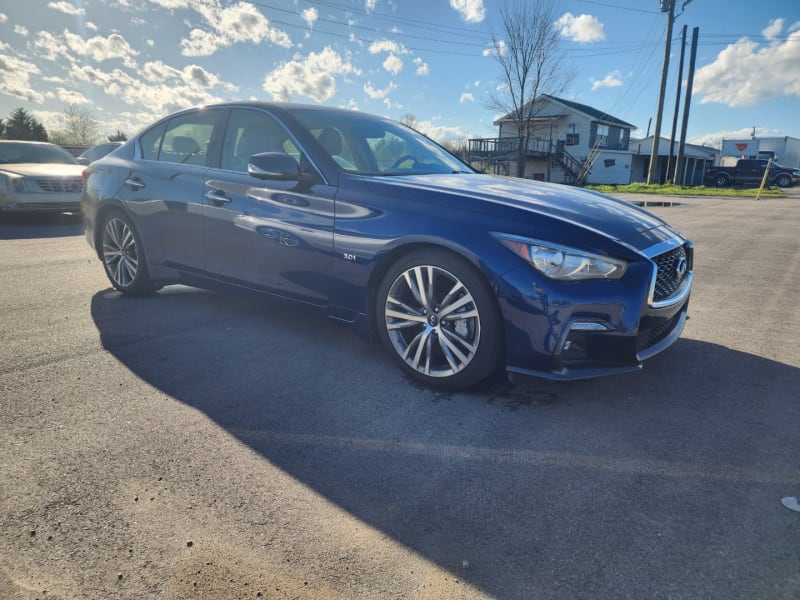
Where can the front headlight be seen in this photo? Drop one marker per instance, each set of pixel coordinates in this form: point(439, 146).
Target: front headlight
point(10, 182)
point(561, 262)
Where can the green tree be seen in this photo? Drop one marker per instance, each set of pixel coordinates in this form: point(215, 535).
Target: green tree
point(2, 129)
point(119, 136)
point(21, 125)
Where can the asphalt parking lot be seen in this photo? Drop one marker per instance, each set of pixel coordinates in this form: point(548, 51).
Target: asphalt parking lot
point(196, 445)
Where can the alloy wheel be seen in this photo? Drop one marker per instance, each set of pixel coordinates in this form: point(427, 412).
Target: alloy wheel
point(432, 321)
point(120, 254)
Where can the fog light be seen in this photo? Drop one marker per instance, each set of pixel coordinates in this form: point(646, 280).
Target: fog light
point(589, 326)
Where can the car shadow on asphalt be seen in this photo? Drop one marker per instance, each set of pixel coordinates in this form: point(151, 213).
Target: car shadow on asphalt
point(24, 226)
point(511, 488)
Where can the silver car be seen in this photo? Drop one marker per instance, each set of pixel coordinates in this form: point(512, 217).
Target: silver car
point(37, 176)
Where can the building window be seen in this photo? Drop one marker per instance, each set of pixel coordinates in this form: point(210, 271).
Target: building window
point(573, 139)
point(601, 138)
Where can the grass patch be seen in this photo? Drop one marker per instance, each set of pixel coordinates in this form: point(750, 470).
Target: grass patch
point(676, 190)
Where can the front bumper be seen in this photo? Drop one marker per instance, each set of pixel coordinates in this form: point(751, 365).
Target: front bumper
point(40, 202)
point(581, 330)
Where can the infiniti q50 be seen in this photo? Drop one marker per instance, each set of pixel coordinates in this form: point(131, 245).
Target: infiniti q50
point(458, 273)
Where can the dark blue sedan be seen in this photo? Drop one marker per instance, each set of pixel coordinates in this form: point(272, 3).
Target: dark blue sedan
point(459, 274)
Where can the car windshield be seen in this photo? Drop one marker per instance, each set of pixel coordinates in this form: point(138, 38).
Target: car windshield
point(367, 145)
point(21, 152)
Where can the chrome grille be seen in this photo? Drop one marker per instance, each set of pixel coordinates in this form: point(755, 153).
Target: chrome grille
point(673, 268)
point(67, 185)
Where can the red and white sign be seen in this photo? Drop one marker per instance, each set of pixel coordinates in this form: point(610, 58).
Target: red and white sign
point(740, 148)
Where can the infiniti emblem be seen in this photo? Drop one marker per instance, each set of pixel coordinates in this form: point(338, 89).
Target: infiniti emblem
point(681, 267)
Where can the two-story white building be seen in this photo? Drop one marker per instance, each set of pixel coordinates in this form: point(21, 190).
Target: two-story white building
point(569, 143)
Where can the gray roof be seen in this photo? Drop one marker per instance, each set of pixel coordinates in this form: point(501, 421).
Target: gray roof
point(599, 115)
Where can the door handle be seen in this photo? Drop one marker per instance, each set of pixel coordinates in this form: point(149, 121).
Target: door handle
point(217, 198)
point(134, 183)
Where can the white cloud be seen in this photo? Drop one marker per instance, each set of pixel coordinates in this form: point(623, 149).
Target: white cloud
point(100, 48)
point(194, 76)
point(3, 18)
point(91, 26)
point(71, 96)
point(715, 139)
point(310, 15)
point(50, 47)
point(440, 133)
point(611, 80)
point(370, 4)
point(170, 4)
point(237, 23)
point(466, 97)
point(744, 74)
point(377, 94)
point(584, 28)
point(422, 67)
point(19, 29)
point(393, 64)
point(15, 78)
point(387, 46)
point(500, 48)
point(178, 89)
point(311, 76)
point(159, 71)
point(773, 29)
point(67, 8)
point(472, 11)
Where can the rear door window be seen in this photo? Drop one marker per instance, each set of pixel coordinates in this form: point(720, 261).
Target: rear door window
point(185, 139)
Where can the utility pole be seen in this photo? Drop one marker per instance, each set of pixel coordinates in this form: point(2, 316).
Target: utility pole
point(670, 162)
point(686, 106)
point(670, 8)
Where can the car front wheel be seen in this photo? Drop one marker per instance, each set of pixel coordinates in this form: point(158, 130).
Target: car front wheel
point(439, 320)
point(783, 181)
point(123, 257)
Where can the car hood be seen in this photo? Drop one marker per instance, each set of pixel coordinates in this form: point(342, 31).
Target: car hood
point(614, 218)
point(43, 169)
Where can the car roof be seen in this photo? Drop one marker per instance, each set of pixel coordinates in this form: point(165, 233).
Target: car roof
point(285, 106)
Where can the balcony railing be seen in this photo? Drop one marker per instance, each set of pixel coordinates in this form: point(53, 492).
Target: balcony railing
point(505, 149)
point(495, 147)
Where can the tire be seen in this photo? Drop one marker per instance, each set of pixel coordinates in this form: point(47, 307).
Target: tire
point(783, 180)
point(721, 180)
point(122, 253)
point(439, 320)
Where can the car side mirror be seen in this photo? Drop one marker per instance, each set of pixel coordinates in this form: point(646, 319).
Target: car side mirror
point(273, 165)
point(82, 161)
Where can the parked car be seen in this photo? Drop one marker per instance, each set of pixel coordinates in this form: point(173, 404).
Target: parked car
point(37, 176)
point(751, 172)
point(459, 274)
point(99, 151)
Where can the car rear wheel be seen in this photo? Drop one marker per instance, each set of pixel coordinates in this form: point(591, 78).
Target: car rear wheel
point(439, 320)
point(721, 180)
point(123, 257)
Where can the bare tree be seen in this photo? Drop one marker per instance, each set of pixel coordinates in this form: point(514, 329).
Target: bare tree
point(530, 58)
point(409, 120)
point(80, 127)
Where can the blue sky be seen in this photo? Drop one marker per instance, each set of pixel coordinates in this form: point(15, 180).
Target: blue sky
point(133, 61)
